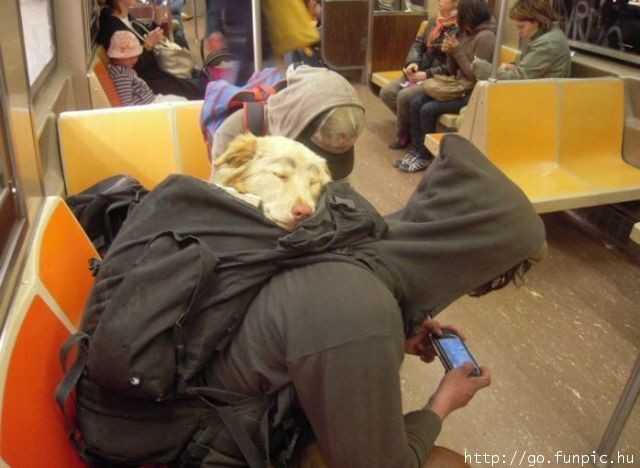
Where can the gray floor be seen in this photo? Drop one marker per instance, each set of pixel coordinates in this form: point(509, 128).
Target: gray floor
point(560, 348)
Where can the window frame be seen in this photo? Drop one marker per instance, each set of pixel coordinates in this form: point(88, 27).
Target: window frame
point(13, 220)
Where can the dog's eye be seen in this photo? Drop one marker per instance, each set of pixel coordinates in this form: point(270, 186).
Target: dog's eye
point(281, 176)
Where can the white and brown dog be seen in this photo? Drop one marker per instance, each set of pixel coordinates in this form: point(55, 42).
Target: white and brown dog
point(286, 176)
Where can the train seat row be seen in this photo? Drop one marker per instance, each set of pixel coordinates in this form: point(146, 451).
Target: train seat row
point(146, 142)
point(560, 140)
point(47, 308)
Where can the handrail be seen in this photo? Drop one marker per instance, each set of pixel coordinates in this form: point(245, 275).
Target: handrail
point(257, 35)
point(496, 48)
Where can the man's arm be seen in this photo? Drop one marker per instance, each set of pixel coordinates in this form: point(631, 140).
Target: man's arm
point(351, 396)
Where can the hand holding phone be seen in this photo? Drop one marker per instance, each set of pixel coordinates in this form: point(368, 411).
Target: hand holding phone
point(453, 352)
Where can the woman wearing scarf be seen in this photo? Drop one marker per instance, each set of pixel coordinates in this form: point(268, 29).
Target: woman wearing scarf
point(425, 58)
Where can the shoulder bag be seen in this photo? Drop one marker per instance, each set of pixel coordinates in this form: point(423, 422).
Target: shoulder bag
point(171, 58)
point(447, 88)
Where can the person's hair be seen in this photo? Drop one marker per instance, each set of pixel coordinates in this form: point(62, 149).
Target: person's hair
point(112, 6)
point(472, 13)
point(513, 275)
point(539, 11)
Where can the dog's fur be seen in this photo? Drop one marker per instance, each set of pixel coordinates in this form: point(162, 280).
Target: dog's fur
point(285, 175)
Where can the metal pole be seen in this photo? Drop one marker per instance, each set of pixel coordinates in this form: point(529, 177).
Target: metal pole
point(620, 415)
point(257, 34)
point(195, 18)
point(496, 49)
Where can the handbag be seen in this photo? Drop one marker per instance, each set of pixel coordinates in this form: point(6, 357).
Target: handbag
point(171, 58)
point(447, 88)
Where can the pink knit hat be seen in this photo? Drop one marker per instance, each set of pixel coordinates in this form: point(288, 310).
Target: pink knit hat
point(124, 44)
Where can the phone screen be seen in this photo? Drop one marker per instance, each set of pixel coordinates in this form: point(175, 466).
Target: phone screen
point(456, 351)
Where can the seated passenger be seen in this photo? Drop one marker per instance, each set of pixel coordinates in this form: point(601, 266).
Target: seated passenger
point(115, 17)
point(318, 108)
point(425, 58)
point(478, 37)
point(124, 52)
point(547, 54)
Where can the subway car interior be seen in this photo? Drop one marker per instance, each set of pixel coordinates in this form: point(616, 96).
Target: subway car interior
point(563, 348)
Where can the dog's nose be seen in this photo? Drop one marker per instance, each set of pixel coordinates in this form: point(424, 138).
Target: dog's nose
point(301, 211)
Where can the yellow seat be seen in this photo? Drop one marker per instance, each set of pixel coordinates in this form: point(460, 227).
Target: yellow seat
point(145, 142)
point(192, 149)
point(560, 140)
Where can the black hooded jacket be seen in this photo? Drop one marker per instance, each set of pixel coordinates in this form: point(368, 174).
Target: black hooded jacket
point(324, 309)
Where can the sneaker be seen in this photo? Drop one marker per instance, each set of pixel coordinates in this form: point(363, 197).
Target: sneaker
point(185, 16)
point(406, 159)
point(420, 163)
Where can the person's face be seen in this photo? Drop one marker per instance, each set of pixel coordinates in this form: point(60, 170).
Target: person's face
point(526, 29)
point(126, 62)
point(447, 6)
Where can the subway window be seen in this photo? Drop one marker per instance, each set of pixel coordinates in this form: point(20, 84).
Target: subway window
point(608, 27)
point(38, 32)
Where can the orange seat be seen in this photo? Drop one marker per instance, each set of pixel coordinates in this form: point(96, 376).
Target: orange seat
point(101, 72)
point(32, 429)
point(63, 260)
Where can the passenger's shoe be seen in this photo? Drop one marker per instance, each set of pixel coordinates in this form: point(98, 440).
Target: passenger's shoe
point(406, 159)
point(420, 163)
point(402, 141)
point(186, 16)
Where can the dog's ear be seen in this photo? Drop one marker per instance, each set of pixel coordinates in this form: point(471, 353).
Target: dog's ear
point(240, 151)
point(233, 163)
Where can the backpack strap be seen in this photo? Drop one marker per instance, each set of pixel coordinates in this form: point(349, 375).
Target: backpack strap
point(68, 384)
point(253, 118)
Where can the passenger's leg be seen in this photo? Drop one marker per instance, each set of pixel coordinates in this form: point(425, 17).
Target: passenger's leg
point(428, 118)
point(405, 96)
point(414, 133)
point(389, 93)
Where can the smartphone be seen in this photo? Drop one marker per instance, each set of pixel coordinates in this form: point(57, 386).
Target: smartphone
point(453, 352)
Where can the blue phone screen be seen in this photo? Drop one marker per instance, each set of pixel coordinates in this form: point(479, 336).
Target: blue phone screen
point(456, 352)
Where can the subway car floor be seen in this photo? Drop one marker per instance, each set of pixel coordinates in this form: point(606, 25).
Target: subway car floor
point(560, 348)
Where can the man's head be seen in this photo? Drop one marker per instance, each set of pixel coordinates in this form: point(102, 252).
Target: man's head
point(320, 109)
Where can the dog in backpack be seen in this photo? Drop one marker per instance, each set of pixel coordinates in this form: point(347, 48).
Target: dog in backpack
point(286, 177)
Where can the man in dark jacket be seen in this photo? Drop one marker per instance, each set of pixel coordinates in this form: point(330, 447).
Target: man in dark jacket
point(321, 318)
point(336, 332)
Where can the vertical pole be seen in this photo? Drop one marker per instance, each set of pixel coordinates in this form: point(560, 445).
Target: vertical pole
point(496, 50)
point(257, 34)
point(620, 415)
point(195, 20)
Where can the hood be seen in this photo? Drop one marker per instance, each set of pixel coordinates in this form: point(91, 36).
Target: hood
point(310, 91)
point(465, 224)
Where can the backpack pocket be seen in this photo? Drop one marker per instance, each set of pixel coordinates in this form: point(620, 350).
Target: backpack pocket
point(138, 346)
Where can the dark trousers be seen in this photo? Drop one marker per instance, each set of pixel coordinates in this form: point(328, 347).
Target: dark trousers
point(424, 113)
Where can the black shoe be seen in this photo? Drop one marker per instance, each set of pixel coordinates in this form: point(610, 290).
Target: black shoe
point(396, 145)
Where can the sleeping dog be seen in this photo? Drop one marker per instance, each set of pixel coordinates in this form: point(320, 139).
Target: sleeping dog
point(286, 177)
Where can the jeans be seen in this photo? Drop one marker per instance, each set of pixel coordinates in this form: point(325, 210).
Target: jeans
point(424, 112)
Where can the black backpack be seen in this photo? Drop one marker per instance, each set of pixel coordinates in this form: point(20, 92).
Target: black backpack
point(103, 208)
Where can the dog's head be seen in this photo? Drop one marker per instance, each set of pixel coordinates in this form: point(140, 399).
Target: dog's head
point(286, 176)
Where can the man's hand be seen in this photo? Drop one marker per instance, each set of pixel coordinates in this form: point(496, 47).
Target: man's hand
point(420, 344)
point(456, 389)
